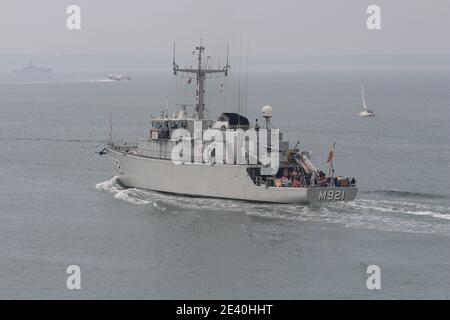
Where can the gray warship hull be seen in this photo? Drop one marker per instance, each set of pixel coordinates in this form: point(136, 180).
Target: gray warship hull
point(218, 181)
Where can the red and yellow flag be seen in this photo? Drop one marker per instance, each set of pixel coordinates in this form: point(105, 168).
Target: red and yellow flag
point(330, 156)
point(331, 153)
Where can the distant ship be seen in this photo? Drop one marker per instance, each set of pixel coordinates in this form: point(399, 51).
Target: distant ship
point(31, 68)
point(119, 77)
point(177, 155)
point(366, 111)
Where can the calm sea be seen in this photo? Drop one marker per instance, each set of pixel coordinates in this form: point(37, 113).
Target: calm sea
point(61, 205)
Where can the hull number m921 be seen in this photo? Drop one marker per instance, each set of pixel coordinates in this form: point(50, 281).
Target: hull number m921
point(327, 195)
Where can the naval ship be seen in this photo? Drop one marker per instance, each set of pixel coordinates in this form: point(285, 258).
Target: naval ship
point(175, 158)
point(31, 68)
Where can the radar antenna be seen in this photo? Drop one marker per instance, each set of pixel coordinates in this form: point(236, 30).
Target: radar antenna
point(200, 72)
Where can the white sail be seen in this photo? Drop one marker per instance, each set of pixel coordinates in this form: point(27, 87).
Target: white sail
point(366, 112)
point(363, 100)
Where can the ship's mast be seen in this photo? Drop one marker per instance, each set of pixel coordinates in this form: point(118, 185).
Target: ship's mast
point(200, 72)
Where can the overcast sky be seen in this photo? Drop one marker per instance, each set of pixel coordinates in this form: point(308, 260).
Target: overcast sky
point(274, 29)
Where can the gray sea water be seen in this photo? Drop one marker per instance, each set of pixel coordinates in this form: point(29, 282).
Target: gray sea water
point(61, 205)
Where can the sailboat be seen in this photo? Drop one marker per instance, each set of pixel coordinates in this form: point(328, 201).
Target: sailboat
point(366, 111)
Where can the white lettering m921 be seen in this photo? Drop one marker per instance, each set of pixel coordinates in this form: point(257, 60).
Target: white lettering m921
point(325, 195)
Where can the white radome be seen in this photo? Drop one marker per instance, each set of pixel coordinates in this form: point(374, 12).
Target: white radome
point(267, 111)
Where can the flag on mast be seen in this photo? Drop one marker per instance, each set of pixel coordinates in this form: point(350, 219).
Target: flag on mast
point(330, 159)
point(331, 153)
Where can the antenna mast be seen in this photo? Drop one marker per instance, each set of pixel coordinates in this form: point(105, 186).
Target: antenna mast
point(200, 72)
point(239, 85)
point(110, 128)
